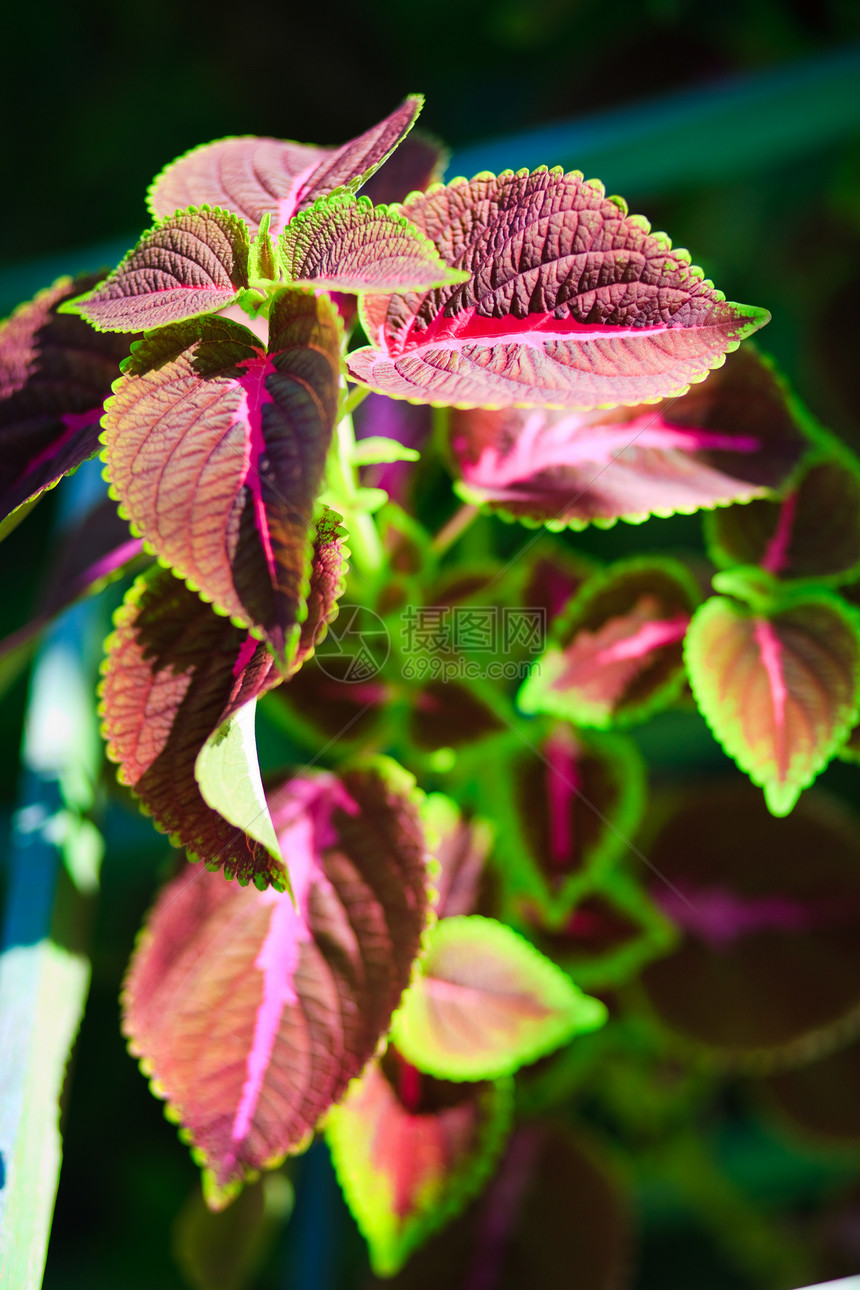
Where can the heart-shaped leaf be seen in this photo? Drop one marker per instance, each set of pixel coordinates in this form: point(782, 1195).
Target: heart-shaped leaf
point(55, 374)
point(344, 243)
point(779, 691)
point(175, 672)
point(252, 1013)
point(617, 654)
point(410, 1151)
point(733, 437)
point(813, 532)
point(224, 489)
point(570, 303)
point(564, 810)
point(252, 176)
point(194, 262)
point(768, 965)
point(487, 1002)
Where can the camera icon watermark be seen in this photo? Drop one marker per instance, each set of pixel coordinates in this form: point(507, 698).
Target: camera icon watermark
point(437, 643)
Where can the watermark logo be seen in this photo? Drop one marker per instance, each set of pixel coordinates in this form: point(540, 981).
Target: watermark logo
point(468, 642)
point(356, 646)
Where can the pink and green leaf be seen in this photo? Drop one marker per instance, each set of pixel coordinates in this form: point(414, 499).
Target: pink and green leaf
point(410, 1151)
point(555, 1215)
point(344, 243)
point(174, 673)
point(570, 303)
point(779, 690)
point(564, 812)
point(461, 847)
point(192, 263)
point(617, 655)
point(329, 567)
point(768, 912)
point(252, 1013)
point(55, 374)
point(813, 532)
point(224, 489)
point(734, 437)
point(252, 176)
point(486, 1002)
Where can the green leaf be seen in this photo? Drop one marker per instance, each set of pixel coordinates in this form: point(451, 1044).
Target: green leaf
point(779, 689)
point(228, 775)
point(487, 1002)
point(376, 450)
point(410, 1151)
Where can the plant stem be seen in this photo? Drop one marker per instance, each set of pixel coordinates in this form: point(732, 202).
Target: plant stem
point(455, 526)
point(364, 544)
point(356, 395)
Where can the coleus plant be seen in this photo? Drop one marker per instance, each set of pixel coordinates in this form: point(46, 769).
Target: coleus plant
point(384, 963)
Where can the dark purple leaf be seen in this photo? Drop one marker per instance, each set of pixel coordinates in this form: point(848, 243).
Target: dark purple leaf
point(554, 1211)
point(769, 910)
point(814, 532)
point(55, 373)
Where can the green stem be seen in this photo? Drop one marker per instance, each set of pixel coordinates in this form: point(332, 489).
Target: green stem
point(351, 401)
point(452, 530)
point(364, 543)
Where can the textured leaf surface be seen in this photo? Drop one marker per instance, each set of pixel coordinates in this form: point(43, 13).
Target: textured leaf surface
point(345, 243)
point(769, 913)
point(416, 163)
point(329, 566)
point(814, 532)
point(617, 656)
point(175, 671)
point(570, 303)
point(410, 1151)
point(251, 176)
point(55, 373)
point(554, 1212)
point(251, 1013)
point(194, 262)
point(780, 692)
point(731, 438)
point(216, 451)
point(486, 1002)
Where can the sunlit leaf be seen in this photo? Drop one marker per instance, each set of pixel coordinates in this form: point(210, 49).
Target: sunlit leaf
point(410, 1151)
point(252, 176)
point(487, 1002)
point(616, 656)
point(570, 303)
point(345, 243)
point(734, 437)
point(55, 373)
point(224, 489)
point(194, 262)
point(252, 1013)
point(780, 690)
